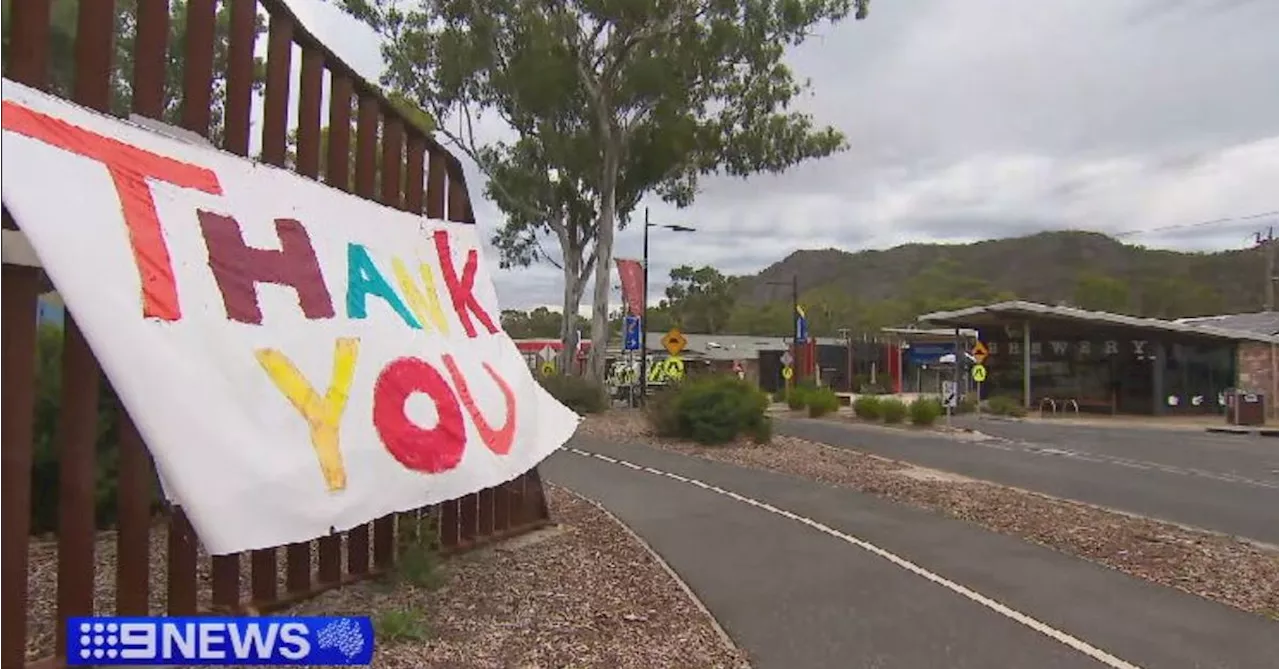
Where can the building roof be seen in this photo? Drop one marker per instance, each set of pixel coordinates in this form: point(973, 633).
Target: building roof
point(998, 314)
point(931, 333)
point(1262, 322)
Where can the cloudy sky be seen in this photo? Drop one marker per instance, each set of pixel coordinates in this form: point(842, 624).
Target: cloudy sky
point(986, 118)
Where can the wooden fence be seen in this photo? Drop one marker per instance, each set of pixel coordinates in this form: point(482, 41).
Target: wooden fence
point(396, 163)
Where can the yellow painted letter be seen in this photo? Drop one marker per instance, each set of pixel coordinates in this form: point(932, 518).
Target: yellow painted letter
point(426, 306)
point(323, 414)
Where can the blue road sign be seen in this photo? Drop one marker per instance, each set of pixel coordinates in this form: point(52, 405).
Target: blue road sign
point(802, 329)
point(631, 333)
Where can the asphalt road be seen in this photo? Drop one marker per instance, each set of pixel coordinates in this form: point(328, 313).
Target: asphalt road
point(803, 575)
point(1223, 483)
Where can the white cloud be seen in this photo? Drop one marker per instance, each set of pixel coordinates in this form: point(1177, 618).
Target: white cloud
point(986, 118)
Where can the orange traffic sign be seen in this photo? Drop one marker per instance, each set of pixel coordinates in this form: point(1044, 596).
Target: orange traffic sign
point(674, 342)
point(980, 352)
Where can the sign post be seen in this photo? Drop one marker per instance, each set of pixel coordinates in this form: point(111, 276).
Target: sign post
point(949, 399)
point(631, 333)
point(980, 353)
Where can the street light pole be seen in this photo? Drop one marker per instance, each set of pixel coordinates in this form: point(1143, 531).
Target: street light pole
point(644, 313)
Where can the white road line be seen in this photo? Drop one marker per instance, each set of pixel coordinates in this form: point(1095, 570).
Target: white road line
point(1012, 614)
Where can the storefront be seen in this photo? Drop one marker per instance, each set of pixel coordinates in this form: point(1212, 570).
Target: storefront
point(1102, 362)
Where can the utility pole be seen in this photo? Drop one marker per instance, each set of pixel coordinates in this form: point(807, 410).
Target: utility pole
point(644, 315)
point(1267, 246)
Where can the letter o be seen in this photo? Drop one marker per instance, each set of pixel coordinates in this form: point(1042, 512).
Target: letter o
point(431, 451)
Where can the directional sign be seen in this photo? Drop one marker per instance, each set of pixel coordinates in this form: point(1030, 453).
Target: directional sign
point(979, 373)
point(787, 359)
point(631, 333)
point(787, 373)
point(980, 352)
point(674, 342)
point(547, 354)
point(949, 398)
point(548, 368)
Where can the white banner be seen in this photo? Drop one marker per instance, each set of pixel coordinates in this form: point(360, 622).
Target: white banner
point(299, 360)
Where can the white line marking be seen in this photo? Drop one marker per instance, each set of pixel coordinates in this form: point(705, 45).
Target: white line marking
point(1014, 615)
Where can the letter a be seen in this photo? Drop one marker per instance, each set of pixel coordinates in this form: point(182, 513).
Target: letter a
point(323, 414)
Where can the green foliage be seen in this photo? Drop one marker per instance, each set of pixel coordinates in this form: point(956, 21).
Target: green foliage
point(711, 410)
point(582, 395)
point(798, 398)
point(540, 323)
point(967, 403)
point(867, 407)
point(701, 300)
point(401, 625)
point(925, 410)
point(45, 469)
point(1099, 292)
point(821, 402)
point(1003, 405)
point(762, 431)
point(417, 562)
point(892, 410)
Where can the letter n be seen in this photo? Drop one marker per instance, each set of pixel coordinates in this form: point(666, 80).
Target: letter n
point(238, 268)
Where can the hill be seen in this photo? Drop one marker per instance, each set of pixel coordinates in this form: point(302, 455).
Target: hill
point(869, 289)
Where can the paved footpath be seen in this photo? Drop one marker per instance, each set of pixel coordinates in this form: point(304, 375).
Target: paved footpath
point(805, 575)
point(1223, 483)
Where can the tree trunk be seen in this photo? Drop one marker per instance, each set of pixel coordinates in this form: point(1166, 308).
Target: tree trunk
point(574, 283)
point(604, 264)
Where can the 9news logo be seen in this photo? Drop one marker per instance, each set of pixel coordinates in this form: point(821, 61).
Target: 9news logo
point(219, 641)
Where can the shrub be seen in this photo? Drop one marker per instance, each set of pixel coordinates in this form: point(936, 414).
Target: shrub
point(711, 410)
point(762, 432)
point(867, 407)
point(925, 410)
point(780, 395)
point(967, 404)
point(893, 410)
point(396, 625)
point(44, 466)
point(1002, 405)
point(580, 394)
point(798, 398)
point(822, 402)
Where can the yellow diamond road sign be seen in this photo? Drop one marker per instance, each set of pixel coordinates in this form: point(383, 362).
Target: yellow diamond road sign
point(674, 342)
point(980, 352)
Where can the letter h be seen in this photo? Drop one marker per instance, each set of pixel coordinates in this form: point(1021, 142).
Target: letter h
point(238, 268)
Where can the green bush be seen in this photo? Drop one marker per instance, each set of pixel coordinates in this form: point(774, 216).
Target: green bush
point(44, 465)
point(867, 407)
point(893, 410)
point(711, 410)
point(822, 402)
point(1002, 405)
point(967, 404)
point(925, 410)
point(762, 432)
point(780, 395)
point(798, 398)
point(580, 394)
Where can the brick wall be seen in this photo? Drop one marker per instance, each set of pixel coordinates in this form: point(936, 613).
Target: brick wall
point(1256, 370)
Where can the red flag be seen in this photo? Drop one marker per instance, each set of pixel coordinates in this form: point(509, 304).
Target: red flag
point(631, 272)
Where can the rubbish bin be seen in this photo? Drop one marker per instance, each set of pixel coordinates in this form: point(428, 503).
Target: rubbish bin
point(1246, 408)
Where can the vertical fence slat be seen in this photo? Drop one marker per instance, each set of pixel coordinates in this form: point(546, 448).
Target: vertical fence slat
point(337, 171)
point(448, 524)
point(437, 181)
point(197, 65)
point(516, 489)
point(28, 56)
point(310, 85)
point(275, 107)
point(18, 304)
point(133, 534)
point(149, 57)
point(239, 98)
point(182, 565)
point(329, 558)
point(416, 148)
point(384, 541)
point(358, 550)
point(459, 203)
point(366, 147)
point(501, 508)
point(538, 499)
point(392, 159)
point(225, 577)
point(484, 512)
point(95, 28)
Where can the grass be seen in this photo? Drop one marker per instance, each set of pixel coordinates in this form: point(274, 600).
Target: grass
point(401, 625)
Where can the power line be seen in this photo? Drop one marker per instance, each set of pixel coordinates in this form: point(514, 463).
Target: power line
point(1200, 224)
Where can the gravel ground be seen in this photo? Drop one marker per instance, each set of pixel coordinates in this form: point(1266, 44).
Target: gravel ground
point(583, 595)
point(1219, 568)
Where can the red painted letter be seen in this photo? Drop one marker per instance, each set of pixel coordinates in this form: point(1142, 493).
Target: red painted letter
point(130, 167)
point(461, 291)
point(238, 268)
point(432, 451)
point(499, 440)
